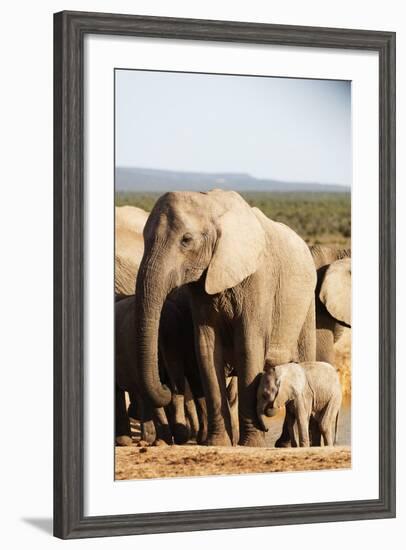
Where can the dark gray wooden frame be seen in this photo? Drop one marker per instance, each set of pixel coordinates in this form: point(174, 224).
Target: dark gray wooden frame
point(69, 31)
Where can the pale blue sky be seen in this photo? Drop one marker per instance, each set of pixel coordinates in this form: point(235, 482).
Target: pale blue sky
point(278, 128)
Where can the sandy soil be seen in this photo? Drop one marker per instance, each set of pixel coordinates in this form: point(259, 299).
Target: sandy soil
point(188, 460)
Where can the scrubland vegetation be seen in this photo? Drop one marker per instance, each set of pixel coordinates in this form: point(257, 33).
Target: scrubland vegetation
point(319, 218)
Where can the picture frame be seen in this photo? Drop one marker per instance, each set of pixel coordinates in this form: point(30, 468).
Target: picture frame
point(70, 28)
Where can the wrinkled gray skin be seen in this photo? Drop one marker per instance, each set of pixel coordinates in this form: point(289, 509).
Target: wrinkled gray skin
point(177, 365)
point(251, 285)
point(309, 390)
point(333, 306)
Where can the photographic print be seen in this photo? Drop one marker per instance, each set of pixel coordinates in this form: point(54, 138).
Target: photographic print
point(232, 274)
point(214, 336)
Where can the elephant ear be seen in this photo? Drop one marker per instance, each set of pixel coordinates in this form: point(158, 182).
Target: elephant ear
point(335, 290)
point(240, 243)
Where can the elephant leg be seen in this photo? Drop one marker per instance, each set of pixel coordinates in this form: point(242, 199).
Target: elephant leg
point(191, 413)
point(148, 431)
point(203, 423)
point(328, 435)
point(315, 434)
point(179, 427)
point(162, 428)
point(290, 419)
point(171, 358)
point(288, 435)
point(232, 396)
point(307, 337)
point(193, 383)
point(122, 421)
point(134, 409)
point(213, 380)
point(302, 418)
point(249, 354)
point(192, 419)
point(328, 423)
point(284, 439)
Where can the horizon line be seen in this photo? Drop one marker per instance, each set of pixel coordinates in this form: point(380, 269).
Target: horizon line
point(299, 182)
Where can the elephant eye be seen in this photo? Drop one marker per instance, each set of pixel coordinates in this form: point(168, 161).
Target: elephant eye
point(186, 239)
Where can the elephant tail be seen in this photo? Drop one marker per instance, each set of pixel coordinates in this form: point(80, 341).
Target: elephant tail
point(336, 428)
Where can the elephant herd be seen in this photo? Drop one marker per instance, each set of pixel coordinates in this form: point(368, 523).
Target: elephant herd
point(223, 315)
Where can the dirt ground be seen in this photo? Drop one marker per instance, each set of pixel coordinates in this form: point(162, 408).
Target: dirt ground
point(192, 460)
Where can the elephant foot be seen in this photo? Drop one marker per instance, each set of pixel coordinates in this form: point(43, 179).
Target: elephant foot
point(254, 439)
point(201, 438)
point(160, 443)
point(282, 443)
point(163, 433)
point(148, 432)
point(180, 434)
point(202, 435)
point(124, 441)
point(219, 440)
point(132, 411)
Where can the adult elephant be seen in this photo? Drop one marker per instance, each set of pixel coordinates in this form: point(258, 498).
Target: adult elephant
point(251, 285)
point(176, 337)
point(333, 298)
point(333, 306)
point(129, 247)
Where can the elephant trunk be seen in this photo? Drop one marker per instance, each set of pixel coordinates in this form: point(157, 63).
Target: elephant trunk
point(262, 422)
point(270, 411)
point(264, 412)
point(261, 416)
point(152, 289)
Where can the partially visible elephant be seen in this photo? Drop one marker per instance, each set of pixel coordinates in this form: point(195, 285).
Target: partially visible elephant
point(251, 286)
point(177, 328)
point(333, 298)
point(177, 360)
point(154, 424)
point(129, 247)
point(333, 306)
point(310, 391)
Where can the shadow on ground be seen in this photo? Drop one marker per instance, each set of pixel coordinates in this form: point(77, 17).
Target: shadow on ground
point(43, 524)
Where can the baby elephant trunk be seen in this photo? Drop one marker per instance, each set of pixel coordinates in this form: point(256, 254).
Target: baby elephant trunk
point(270, 411)
point(263, 414)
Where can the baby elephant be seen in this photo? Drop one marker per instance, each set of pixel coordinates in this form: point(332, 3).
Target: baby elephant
point(312, 395)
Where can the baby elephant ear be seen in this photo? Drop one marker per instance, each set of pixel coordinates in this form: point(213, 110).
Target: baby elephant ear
point(240, 244)
point(335, 291)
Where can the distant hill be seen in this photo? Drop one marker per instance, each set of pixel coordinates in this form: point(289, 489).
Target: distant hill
point(147, 179)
